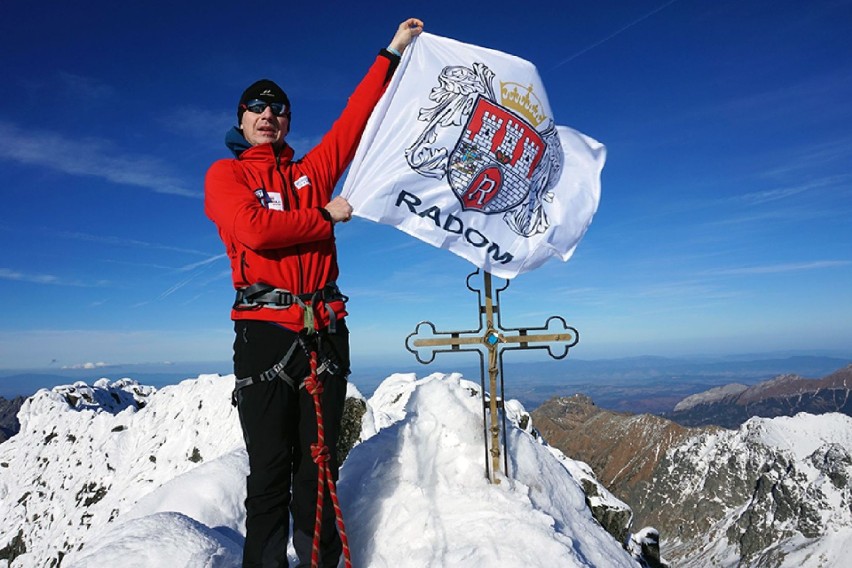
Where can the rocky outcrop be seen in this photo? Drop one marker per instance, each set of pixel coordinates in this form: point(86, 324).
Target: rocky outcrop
point(9, 425)
point(350, 426)
point(772, 487)
point(615, 519)
point(645, 547)
point(623, 449)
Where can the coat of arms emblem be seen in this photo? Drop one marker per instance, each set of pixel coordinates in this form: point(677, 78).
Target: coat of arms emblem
point(500, 163)
point(492, 164)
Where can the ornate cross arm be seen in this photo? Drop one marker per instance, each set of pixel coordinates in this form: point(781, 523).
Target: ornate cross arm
point(492, 341)
point(452, 340)
point(566, 338)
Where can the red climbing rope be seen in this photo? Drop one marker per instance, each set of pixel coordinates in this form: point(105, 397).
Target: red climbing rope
point(320, 454)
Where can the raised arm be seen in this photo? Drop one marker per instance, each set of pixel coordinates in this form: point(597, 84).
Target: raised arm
point(330, 158)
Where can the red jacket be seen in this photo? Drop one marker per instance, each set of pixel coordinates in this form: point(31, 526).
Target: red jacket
point(268, 208)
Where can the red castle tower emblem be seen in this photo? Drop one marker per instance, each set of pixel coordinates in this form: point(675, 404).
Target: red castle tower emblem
point(493, 161)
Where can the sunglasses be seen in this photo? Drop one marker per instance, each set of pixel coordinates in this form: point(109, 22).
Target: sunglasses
point(257, 106)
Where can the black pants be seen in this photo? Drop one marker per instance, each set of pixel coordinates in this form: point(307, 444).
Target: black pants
point(279, 426)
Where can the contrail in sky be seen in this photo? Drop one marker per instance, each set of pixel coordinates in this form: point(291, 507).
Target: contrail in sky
point(615, 33)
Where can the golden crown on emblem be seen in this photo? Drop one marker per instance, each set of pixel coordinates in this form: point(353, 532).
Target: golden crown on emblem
point(522, 100)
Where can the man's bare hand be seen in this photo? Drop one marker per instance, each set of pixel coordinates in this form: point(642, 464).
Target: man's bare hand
point(407, 31)
point(339, 209)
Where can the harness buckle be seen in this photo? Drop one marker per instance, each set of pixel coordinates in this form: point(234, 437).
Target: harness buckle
point(308, 319)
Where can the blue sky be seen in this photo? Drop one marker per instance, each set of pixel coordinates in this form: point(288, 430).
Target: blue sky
point(724, 218)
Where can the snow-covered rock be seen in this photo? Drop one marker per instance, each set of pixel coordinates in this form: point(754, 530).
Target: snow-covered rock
point(774, 493)
point(117, 474)
point(88, 455)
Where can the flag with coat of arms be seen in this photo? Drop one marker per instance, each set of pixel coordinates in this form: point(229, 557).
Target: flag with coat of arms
point(463, 153)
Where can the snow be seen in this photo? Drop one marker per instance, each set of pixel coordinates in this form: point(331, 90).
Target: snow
point(431, 505)
point(646, 536)
point(121, 474)
point(832, 546)
point(161, 539)
point(803, 434)
point(803, 462)
point(131, 476)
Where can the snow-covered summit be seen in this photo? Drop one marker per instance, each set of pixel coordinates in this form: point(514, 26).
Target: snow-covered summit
point(120, 474)
point(421, 483)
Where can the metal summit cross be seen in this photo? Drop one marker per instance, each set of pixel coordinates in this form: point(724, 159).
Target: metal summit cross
point(493, 340)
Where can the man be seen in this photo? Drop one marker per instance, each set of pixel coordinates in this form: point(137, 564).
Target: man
point(275, 216)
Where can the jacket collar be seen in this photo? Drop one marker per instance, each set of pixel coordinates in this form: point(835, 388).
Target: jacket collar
point(236, 143)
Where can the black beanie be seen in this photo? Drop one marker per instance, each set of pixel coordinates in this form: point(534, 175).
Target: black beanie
point(264, 90)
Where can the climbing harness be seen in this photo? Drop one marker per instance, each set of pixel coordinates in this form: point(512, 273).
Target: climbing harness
point(277, 372)
point(260, 295)
point(263, 295)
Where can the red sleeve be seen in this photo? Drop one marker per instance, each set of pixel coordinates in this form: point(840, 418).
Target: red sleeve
point(330, 158)
point(232, 205)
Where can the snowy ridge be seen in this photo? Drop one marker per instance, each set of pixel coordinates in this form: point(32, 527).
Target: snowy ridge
point(123, 475)
point(86, 456)
point(776, 492)
point(731, 405)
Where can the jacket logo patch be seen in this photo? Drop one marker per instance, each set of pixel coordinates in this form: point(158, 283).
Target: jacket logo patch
point(301, 182)
point(269, 200)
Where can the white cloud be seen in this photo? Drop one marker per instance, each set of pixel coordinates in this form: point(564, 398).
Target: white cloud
point(784, 267)
point(85, 88)
point(89, 157)
point(9, 274)
point(808, 157)
point(201, 263)
point(86, 366)
point(617, 32)
point(196, 270)
point(122, 242)
point(203, 126)
point(758, 197)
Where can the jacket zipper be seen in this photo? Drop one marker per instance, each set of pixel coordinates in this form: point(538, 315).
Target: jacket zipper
point(286, 194)
point(243, 266)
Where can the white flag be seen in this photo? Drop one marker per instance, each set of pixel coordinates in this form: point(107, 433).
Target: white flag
point(463, 152)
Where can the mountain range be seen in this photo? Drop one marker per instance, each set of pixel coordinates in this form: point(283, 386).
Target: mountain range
point(639, 384)
point(118, 473)
point(122, 474)
point(785, 395)
point(775, 492)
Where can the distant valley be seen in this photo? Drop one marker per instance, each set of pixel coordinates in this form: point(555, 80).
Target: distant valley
point(651, 384)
